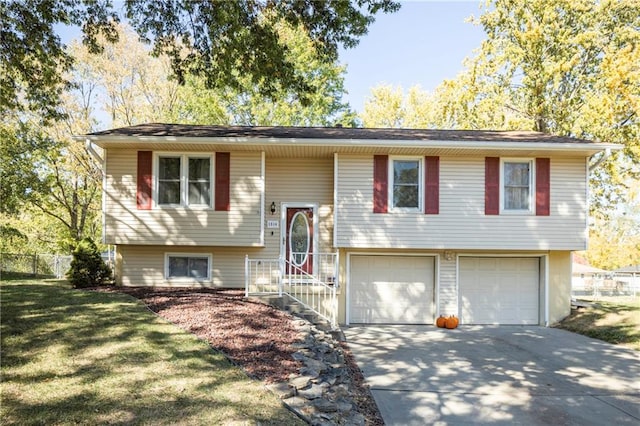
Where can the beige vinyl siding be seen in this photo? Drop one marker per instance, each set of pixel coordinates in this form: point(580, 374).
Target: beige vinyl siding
point(289, 181)
point(461, 222)
point(447, 297)
point(559, 285)
point(299, 180)
point(144, 265)
point(240, 226)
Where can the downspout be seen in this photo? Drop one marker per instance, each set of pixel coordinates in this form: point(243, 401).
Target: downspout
point(546, 290)
point(605, 156)
point(101, 161)
point(91, 150)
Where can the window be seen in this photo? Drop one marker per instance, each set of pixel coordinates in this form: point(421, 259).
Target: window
point(517, 188)
point(184, 180)
point(406, 179)
point(200, 181)
point(169, 180)
point(189, 266)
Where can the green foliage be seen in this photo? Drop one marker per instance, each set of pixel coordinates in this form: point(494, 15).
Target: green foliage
point(248, 106)
point(223, 42)
point(10, 237)
point(23, 148)
point(614, 241)
point(33, 59)
point(44, 173)
point(230, 42)
point(87, 267)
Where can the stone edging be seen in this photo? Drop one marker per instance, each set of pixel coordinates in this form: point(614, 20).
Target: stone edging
point(322, 391)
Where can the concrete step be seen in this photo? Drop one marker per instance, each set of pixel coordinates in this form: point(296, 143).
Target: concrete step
point(297, 309)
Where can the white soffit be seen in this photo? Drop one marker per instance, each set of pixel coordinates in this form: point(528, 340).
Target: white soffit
point(352, 145)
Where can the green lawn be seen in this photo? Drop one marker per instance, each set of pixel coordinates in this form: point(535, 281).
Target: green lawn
point(81, 357)
point(615, 321)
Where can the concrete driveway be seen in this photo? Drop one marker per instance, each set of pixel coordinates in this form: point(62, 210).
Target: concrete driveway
point(496, 375)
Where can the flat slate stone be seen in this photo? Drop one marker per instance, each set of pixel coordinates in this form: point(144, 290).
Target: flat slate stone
point(314, 392)
point(325, 406)
point(301, 382)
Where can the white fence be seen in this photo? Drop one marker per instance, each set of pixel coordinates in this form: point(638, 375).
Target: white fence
point(618, 284)
point(316, 291)
point(35, 265)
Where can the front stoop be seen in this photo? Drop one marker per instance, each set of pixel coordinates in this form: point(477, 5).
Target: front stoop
point(287, 304)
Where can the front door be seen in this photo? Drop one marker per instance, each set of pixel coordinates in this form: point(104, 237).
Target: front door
point(299, 239)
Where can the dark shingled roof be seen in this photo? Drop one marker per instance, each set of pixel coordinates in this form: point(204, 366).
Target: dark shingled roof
point(201, 131)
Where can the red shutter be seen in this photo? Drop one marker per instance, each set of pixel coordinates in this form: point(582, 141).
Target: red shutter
point(543, 184)
point(432, 185)
point(223, 172)
point(491, 185)
point(145, 177)
point(380, 184)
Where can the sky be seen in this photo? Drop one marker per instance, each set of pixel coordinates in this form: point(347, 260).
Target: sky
point(422, 44)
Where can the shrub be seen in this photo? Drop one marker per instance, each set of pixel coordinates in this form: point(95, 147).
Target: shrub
point(87, 267)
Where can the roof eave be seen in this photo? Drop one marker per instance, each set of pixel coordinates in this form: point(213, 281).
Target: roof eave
point(590, 148)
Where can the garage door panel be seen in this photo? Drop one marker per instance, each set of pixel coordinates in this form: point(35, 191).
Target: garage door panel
point(499, 290)
point(391, 289)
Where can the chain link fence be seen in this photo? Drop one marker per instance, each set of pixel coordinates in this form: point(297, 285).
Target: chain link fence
point(35, 265)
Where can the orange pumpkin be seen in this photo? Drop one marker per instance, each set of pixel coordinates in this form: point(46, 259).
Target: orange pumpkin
point(440, 322)
point(451, 322)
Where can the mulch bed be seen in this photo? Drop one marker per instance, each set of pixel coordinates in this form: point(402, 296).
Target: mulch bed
point(256, 336)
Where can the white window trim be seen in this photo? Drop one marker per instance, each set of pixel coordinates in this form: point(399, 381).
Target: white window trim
point(184, 178)
point(390, 181)
point(188, 279)
point(532, 186)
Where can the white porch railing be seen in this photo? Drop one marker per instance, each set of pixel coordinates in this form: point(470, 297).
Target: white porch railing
point(316, 291)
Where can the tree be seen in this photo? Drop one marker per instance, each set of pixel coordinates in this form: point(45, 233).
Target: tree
point(614, 241)
point(571, 68)
point(133, 87)
point(384, 108)
point(32, 56)
point(123, 80)
point(22, 149)
point(566, 67)
point(87, 267)
point(389, 106)
point(48, 172)
point(222, 42)
point(248, 106)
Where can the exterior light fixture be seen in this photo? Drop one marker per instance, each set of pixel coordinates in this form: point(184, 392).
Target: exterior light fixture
point(273, 207)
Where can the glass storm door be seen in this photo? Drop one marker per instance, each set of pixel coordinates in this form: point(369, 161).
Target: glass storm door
point(299, 239)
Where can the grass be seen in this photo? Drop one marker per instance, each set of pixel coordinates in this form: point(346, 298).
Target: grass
point(614, 321)
point(81, 357)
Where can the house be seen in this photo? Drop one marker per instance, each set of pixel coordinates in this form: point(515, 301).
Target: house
point(368, 225)
point(587, 280)
point(628, 279)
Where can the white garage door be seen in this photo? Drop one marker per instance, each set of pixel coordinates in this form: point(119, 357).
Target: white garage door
point(499, 290)
point(391, 289)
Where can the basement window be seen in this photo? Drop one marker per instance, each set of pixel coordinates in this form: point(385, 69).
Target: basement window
point(188, 266)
